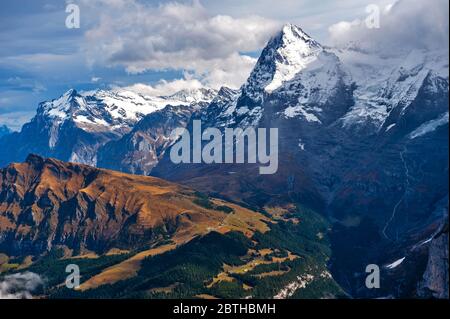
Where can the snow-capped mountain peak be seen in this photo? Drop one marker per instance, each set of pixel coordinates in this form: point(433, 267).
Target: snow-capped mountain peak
point(60, 109)
point(297, 72)
point(114, 109)
point(286, 54)
point(295, 51)
point(295, 42)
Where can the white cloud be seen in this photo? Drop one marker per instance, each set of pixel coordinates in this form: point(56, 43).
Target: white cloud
point(231, 72)
point(311, 15)
point(164, 88)
point(19, 286)
point(341, 29)
point(15, 120)
point(404, 25)
point(180, 37)
point(30, 84)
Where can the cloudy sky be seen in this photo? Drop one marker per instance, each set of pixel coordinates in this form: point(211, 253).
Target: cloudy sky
point(158, 46)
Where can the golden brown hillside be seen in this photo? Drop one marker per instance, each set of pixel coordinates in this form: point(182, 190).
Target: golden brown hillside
point(46, 203)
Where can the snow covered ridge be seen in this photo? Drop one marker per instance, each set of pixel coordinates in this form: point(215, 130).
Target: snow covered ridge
point(386, 82)
point(116, 108)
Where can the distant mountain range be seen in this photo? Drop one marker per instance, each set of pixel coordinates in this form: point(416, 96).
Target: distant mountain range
point(76, 126)
point(363, 141)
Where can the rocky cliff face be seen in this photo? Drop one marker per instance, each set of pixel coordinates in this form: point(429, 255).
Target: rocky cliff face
point(435, 278)
point(140, 150)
